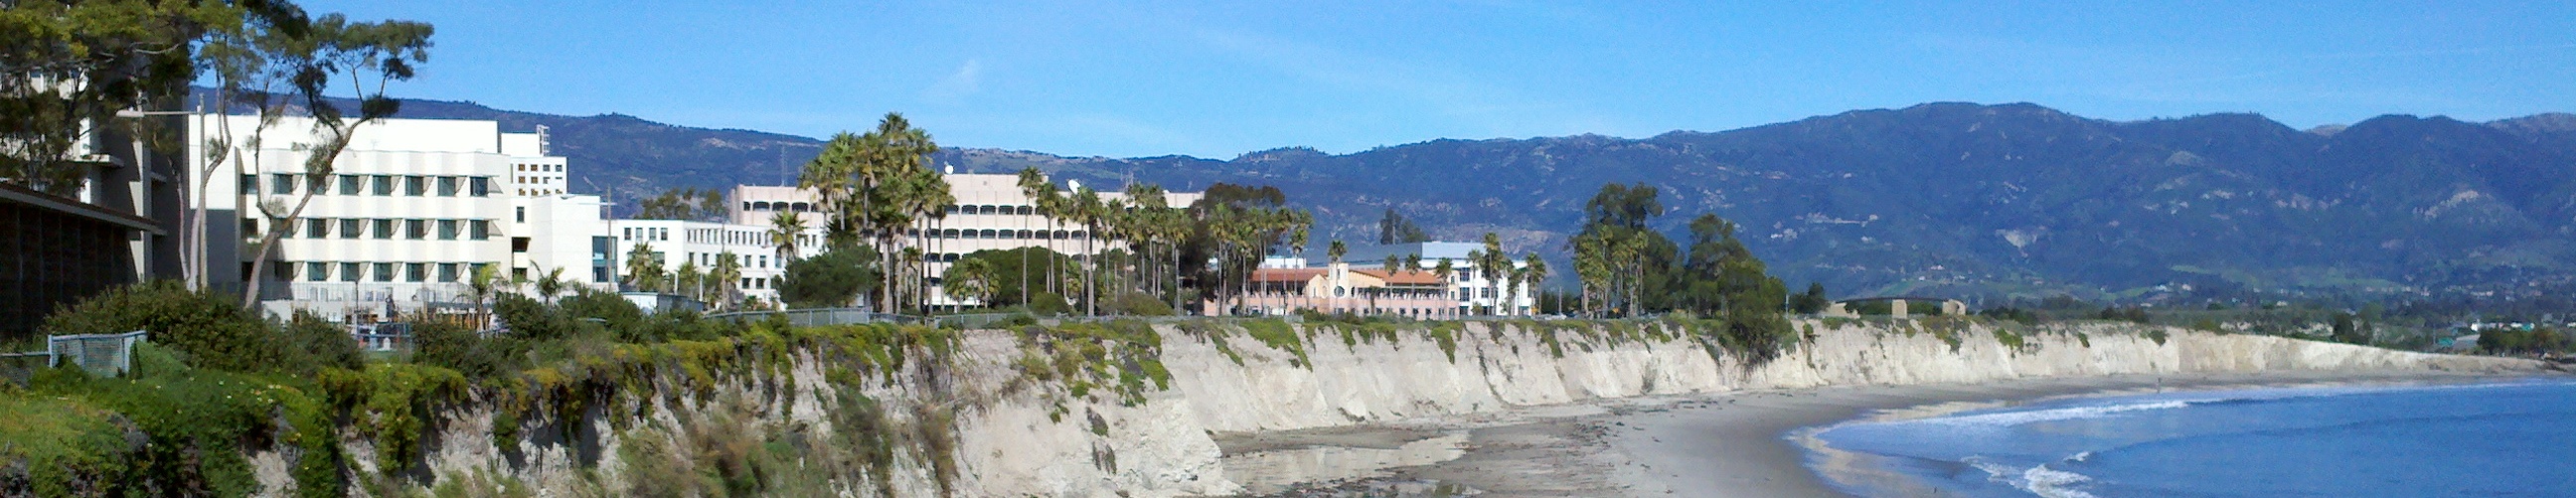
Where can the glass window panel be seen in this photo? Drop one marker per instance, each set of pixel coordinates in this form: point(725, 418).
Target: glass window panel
point(415, 186)
point(348, 184)
point(447, 229)
point(317, 271)
point(352, 228)
point(348, 272)
point(384, 185)
point(447, 186)
point(384, 229)
point(384, 272)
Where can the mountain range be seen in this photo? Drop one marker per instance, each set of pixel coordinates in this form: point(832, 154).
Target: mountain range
point(1951, 199)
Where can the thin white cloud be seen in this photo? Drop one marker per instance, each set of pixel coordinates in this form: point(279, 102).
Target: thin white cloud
point(968, 79)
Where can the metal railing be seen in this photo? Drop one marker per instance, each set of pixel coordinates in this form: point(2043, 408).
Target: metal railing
point(101, 354)
point(818, 317)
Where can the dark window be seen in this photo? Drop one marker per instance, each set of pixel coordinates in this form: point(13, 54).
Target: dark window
point(352, 228)
point(447, 186)
point(250, 185)
point(447, 230)
point(523, 215)
point(348, 184)
point(317, 228)
point(447, 272)
point(384, 272)
point(384, 229)
point(415, 229)
point(415, 186)
point(518, 244)
point(348, 272)
point(415, 272)
point(249, 228)
point(481, 185)
point(284, 184)
point(384, 184)
point(317, 271)
point(479, 230)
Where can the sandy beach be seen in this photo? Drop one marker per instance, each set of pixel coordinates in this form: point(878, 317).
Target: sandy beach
point(1720, 445)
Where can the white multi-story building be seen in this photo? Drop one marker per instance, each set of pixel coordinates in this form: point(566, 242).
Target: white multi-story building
point(413, 208)
point(702, 244)
point(1472, 291)
point(991, 213)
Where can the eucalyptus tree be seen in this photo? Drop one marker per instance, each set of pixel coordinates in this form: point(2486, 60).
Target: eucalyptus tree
point(250, 63)
point(1090, 211)
point(786, 231)
point(367, 55)
point(68, 69)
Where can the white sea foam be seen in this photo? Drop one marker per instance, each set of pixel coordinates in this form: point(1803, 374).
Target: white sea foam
point(2053, 483)
point(2038, 480)
point(2013, 418)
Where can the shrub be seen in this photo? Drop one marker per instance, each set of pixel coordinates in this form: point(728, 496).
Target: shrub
point(321, 343)
point(829, 280)
point(532, 320)
point(1139, 304)
point(213, 331)
point(453, 347)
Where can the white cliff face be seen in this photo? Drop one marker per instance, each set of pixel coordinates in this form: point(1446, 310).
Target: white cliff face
point(1021, 438)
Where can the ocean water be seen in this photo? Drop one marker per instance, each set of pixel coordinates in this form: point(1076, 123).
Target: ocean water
point(2494, 439)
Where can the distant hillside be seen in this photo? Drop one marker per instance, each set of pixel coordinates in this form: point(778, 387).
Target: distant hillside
point(1943, 198)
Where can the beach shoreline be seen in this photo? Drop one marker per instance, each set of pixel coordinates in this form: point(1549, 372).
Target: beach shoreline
point(1741, 443)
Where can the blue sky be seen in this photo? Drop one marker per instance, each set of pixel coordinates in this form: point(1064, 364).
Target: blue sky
point(1217, 79)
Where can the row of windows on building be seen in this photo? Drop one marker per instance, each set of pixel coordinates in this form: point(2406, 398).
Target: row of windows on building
point(708, 259)
point(997, 233)
point(379, 228)
point(379, 272)
point(379, 185)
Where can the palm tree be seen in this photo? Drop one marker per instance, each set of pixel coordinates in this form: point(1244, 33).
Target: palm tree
point(1042, 197)
point(784, 230)
point(1444, 270)
point(643, 268)
point(689, 280)
point(1039, 200)
point(1494, 264)
point(1336, 250)
point(1088, 210)
point(970, 279)
point(1534, 272)
point(551, 284)
point(727, 277)
point(482, 286)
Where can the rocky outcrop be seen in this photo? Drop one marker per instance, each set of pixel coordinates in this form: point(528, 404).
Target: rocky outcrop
point(981, 422)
